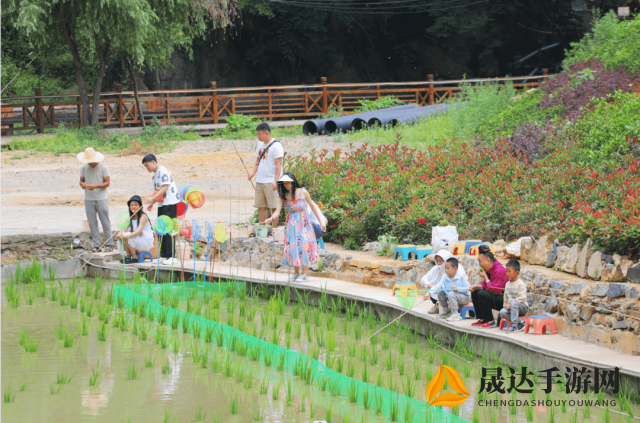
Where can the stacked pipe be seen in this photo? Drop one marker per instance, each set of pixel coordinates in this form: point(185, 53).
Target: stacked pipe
point(383, 117)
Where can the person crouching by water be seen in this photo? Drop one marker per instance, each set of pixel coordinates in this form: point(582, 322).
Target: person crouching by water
point(300, 246)
point(139, 235)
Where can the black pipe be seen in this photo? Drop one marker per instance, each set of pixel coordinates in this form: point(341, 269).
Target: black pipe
point(311, 127)
point(345, 123)
point(406, 116)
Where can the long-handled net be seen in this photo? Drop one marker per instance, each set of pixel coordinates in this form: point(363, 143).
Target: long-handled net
point(160, 229)
point(220, 235)
point(195, 198)
point(182, 192)
point(122, 222)
point(208, 234)
point(175, 231)
point(181, 210)
point(196, 233)
point(185, 231)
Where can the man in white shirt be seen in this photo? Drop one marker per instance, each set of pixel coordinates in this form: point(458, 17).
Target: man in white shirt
point(268, 167)
point(166, 195)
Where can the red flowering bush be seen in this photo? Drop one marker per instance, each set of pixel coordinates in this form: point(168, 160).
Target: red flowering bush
point(487, 194)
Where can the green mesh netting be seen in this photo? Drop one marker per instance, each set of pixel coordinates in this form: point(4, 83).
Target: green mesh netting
point(122, 220)
point(295, 362)
point(406, 301)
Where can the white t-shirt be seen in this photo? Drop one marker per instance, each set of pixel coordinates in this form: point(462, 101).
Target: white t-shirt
point(163, 177)
point(267, 166)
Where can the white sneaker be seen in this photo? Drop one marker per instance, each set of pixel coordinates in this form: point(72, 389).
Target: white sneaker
point(171, 261)
point(455, 317)
point(301, 278)
point(158, 260)
point(294, 277)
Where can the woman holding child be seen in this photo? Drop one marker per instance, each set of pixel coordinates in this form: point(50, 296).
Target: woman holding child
point(489, 295)
point(300, 246)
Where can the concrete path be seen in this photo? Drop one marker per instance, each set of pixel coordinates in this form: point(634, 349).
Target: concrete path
point(576, 351)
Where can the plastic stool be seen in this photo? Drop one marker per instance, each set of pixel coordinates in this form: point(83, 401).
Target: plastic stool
point(404, 251)
point(508, 323)
point(321, 243)
point(420, 253)
point(467, 308)
point(540, 324)
point(142, 256)
point(403, 286)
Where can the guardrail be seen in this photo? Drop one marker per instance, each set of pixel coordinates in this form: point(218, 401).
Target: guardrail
point(214, 105)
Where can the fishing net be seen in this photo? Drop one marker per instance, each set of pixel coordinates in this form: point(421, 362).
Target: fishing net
point(208, 231)
point(220, 233)
point(175, 229)
point(122, 220)
point(185, 229)
point(407, 299)
point(294, 362)
point(168, 223)
point(195, 199)
point(161, 226)
point(181, 210)
point(182, 193)
point(196, 231)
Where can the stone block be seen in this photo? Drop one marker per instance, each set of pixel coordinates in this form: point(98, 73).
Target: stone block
point(576, 288)
point(587, 312)
point(616, 290)
point(540, 251)
point(594, 269)
point(620, 324)
point(551, 305)
point(632, 292)
point(583, 260)
point(607, 271)
point(553, 254)
point(624, 267)
point(617, 259)
point(562, 256)
point(526, 244)
point(541, 281)
point(600, 289)
point(558, 285)
point(615, 275)
point(572, 259)
point(572, 313)
point(633, 273)
point(386, 269)
point(528, 275)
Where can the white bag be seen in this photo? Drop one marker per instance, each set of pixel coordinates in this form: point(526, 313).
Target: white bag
point(444, 237)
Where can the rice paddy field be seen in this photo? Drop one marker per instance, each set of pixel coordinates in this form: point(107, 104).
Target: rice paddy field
point(98, 350)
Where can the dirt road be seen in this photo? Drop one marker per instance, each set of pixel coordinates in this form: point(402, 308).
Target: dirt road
point(40, 192)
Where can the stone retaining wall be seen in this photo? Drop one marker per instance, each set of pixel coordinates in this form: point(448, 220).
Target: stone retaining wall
point(583, 310)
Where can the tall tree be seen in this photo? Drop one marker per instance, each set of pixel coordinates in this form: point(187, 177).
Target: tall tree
point(145, 31)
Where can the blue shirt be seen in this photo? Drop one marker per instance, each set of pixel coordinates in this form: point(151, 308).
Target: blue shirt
point(460, 280)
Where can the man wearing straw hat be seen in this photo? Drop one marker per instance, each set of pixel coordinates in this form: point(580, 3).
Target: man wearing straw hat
point(94, 180)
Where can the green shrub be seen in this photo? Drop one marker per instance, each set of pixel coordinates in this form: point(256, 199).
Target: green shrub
point(614, 42)
point(526, 109)
point(611, 121)
point(238, 123)
point(380, 103)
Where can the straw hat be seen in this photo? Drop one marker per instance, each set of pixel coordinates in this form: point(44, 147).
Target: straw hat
point(90, 156)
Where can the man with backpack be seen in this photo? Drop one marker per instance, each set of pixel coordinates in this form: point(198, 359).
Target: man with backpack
point(268, 168)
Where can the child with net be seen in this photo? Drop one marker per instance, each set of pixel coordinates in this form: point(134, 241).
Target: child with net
point(139, 235)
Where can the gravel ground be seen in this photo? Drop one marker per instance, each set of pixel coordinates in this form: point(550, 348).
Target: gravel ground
point(40, 193)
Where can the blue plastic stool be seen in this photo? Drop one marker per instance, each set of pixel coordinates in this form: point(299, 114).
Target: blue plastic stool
point(404, 252)
point(142, 256)
point(469, 308)
point(420, 254)
point(321, 243)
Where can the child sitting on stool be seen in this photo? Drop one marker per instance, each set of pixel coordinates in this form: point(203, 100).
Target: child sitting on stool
point(448, 291)
point(434, 276)
point(515, 298)
point(140, 235)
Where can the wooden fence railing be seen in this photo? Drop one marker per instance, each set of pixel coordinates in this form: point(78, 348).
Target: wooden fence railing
point(214, 105)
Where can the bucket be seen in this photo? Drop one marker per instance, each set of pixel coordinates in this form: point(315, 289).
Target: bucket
point(262, 231)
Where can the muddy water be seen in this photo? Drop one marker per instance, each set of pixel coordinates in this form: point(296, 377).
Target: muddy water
point(187, 386)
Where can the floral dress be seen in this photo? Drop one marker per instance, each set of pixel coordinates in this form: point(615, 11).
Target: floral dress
point(300, 245)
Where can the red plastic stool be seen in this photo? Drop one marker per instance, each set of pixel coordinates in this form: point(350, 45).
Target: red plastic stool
point(508, 323)
point(540, 324)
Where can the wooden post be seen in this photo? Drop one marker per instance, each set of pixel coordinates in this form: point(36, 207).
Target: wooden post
point(120, 106)
point(270, 108)
point(431, 93)
point(378, 91)
point(79, 111)
point(214, 96)
point(166, 105)
point(325, 95)
point(39, 111)
point(545, 72)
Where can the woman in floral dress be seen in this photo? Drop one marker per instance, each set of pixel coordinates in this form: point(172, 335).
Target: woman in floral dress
point(300, 246)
